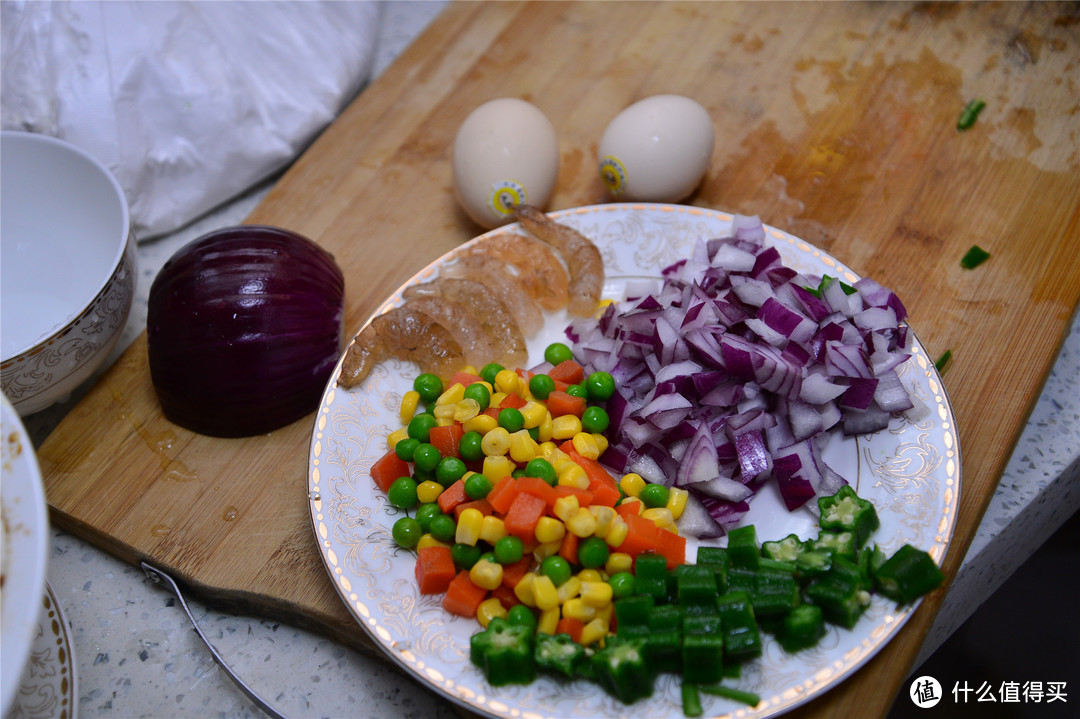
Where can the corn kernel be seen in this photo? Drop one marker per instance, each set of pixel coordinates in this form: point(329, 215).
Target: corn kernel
point(589, 575)
point(601, 442)
point(492, 529)
point(444, 411)
point(451, 395)
point(604, 516)
point(547, 597)
point(631, 484)
point(677, 499)
point(482, 423)
point(565, 507)
point(617, 534)
point(544, 429)
point(468, 526)
point(470, 369)
point(546, 549)
point(569, 589)
point(660, 516)
point(426, 540)
point(396, 436)
point(534, 414)
point(409, 402)
point(547, 448)
point(576, 608)
point(509, 381)
point(486, 574)
point(565, 426)
point(444, 421)
point(488, 610)
point(586, 445)
point(583, 523)
point(496, 442)
point(605, 614)
point(618, 562)
point(548, 621)
point(549, 529)
point(428, 491)
point(523, 590)
point(572, 475)
point(497, 398)
point(638, 504)
point(495, 468)
point(593, 631)
point(523, 447)
point(466, 409)
point(596, 594)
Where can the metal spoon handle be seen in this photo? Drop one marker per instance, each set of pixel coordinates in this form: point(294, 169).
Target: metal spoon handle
point(160, 578)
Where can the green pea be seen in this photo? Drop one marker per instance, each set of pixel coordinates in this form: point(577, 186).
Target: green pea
point(428, 386)
point(422, 475)
point(593, 553)
point(464, 555)
point(469, 446)
point(595, 419)
point(519, 473)
point(477, 486)
point(406, 532)
point(557, 569)
point(622, 585)
point(654, 495)
point(509, 549)
point(421, 425)
point(577, 390)
point(427, 512)
point(542, 469)
point(511, 419)
point(488, 372)
point(450, 470)
point(520, 615)
point(443, 528)
point(426, 457)
point(402, 492)
point(600, 385)
point(480, 393)
point(557, 352)
point(405, 448)
point(541, 385)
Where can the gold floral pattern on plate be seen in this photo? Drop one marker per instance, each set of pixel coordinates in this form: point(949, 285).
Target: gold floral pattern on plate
point(911, 472)
point(48, 687)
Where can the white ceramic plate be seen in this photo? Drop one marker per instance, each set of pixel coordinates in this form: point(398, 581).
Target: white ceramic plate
point(24, 550)
point(48, 688)
point(911, 472)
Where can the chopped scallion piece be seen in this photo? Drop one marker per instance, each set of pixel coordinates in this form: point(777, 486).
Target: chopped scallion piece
point(943, 360)
point(970, 113)
point(974, 257)
point(719, 690)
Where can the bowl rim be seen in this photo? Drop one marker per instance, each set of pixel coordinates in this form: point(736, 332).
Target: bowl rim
point(63, 327)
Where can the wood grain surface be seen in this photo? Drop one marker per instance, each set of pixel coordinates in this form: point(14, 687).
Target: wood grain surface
point(835, 122)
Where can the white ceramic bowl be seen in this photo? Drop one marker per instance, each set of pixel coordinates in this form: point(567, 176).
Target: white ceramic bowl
point(68, 266)
point(23, 552)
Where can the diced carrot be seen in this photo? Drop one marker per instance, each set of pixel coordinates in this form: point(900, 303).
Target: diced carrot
point(571, 626)
point(539, 488)
point(524, 513)
point(560, 403)
point(462, 596)
point(568, 550)
point(584, 496)
point(512, 573)
point(388, 468)
point(569, 371)
point(452, 496)
point(482, 504)
point(505, 594)
point(512, 400)
point(434, 569)
point(502, 494)
point(602, 485)
point(626, 508)
point(492, 412)
point(672, 546)
point(644, 536)
point(463, 378)
point(445, 438)
point(561, 386)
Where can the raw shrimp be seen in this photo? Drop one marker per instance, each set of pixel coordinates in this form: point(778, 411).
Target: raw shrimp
point(582, 258)
point(405, 334)
point(475, 316)
point(492, 273)
point(536, 264)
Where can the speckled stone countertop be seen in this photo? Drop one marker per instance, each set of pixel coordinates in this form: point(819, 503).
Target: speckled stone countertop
point(137, 656)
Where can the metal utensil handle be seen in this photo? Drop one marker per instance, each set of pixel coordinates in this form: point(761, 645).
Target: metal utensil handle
point(159, 577)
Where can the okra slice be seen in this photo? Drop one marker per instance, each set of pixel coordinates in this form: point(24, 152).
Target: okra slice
point(802, 628)
point(743, 548)
point(908, 574)
point(846, 511)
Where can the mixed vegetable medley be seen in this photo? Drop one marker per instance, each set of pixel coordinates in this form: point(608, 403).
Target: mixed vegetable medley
point(573, 574)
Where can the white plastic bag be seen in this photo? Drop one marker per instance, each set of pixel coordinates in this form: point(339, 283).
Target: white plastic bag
point(188, 103)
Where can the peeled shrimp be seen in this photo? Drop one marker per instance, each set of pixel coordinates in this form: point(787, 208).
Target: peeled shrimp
point(492, 273)
point(537, 266)
point(406, 334)
point(582, 258)
point(477, 318)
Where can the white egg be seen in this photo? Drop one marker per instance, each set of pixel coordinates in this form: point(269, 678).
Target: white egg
point(505, 153)
point(657, 149)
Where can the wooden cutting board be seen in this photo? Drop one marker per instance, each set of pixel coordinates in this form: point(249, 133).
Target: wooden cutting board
point(835, 122)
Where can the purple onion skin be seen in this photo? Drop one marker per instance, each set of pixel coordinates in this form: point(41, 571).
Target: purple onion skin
point(244, 327)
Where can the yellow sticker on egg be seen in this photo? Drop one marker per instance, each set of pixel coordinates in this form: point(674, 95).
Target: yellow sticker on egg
point(506, 195)
point(613, 174)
